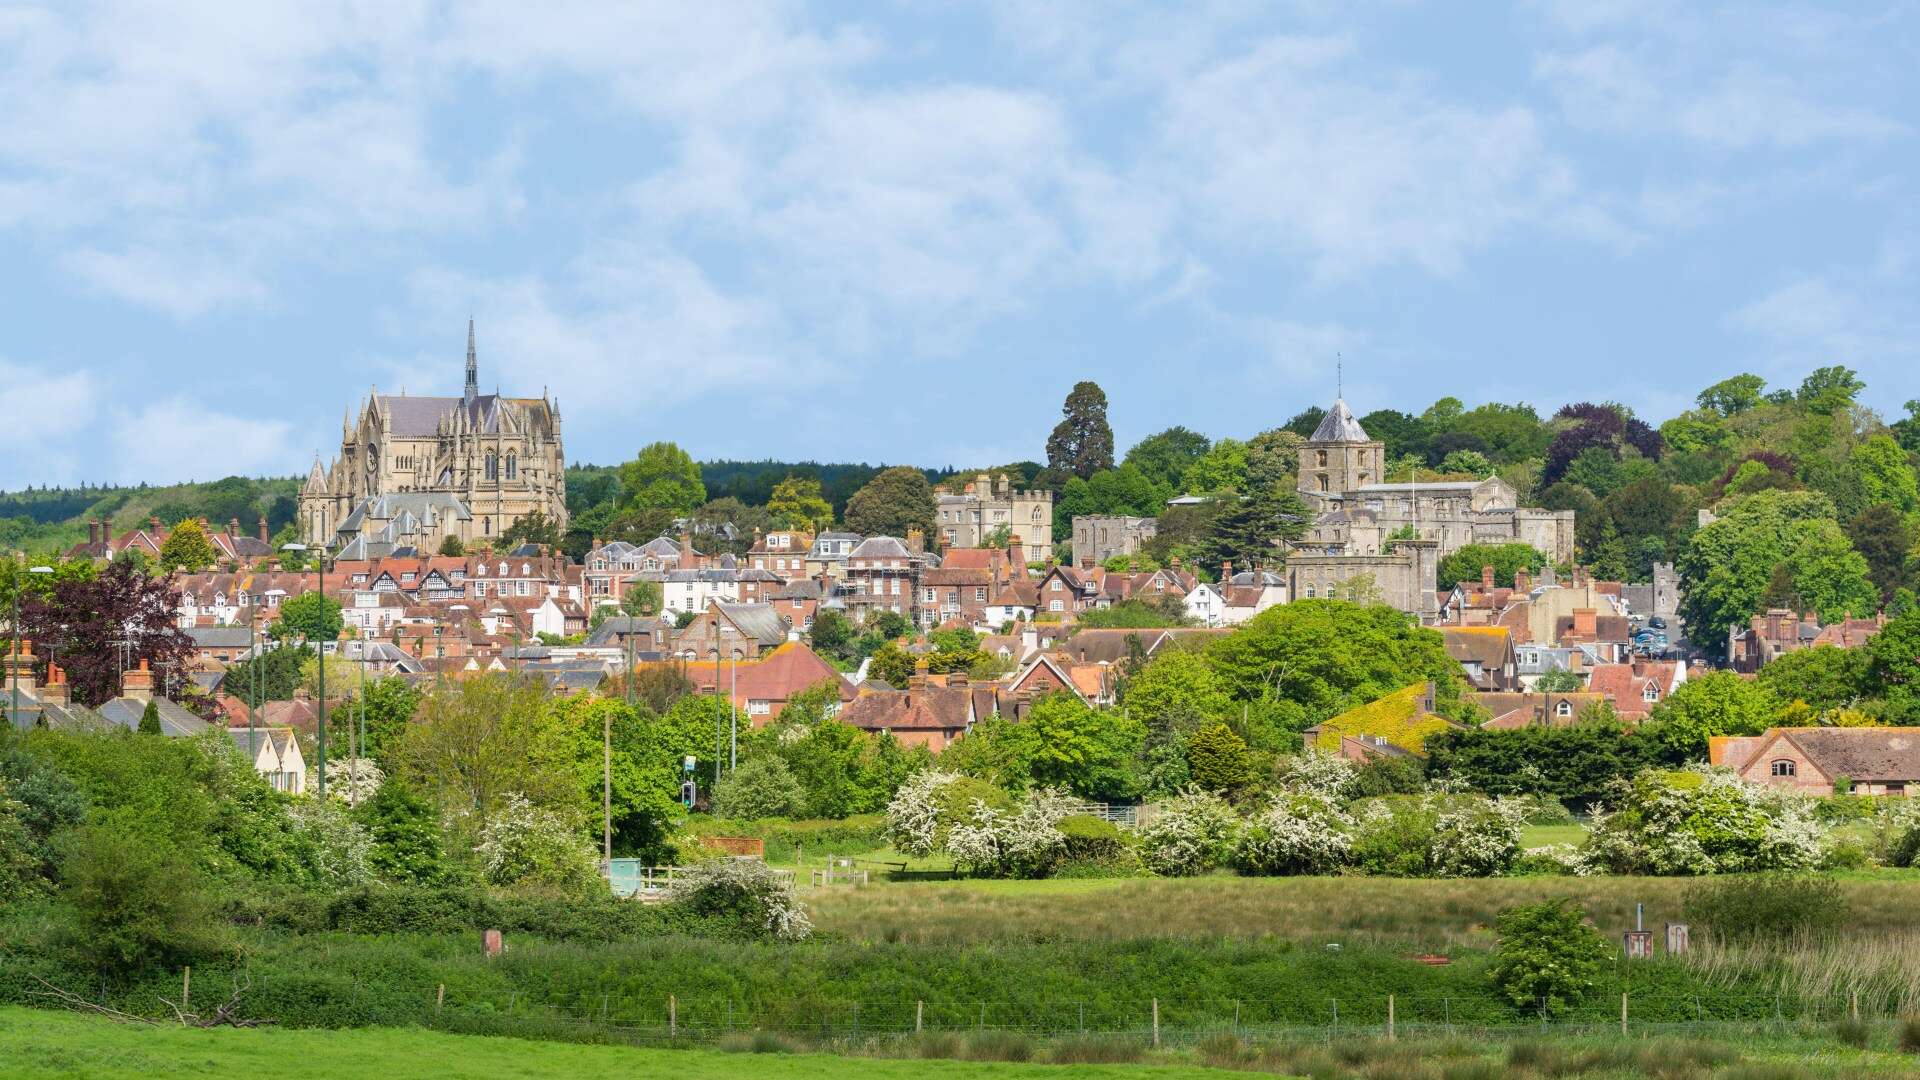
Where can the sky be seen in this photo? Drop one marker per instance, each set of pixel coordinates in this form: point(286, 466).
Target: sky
point(892, 231)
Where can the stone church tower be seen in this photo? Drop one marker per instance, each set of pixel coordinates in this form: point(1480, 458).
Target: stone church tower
point(414, 470)
point(1340, 457)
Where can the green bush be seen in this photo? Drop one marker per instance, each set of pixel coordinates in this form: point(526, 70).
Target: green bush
point(1549, 956)
point(134, 903)
point(762, 787)
point(1854, 1031)
point(1755, 907)
point(815, 836)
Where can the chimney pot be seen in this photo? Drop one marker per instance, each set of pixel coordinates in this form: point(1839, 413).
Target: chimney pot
point(1486, 577)
point(263, 530)
point(153, 524)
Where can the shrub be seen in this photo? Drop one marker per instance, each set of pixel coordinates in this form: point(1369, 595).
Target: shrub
point(1549, 956)
point(134, 902)
point(762, 787)
point(523, 844)
point(1704, 821)
point(407, 845)
point(1394, 836)
point(1091, 839)
point(1025, 843)
point(1295, 834)
point(1766, 906)
point(1907, 1035)
point(1193, 832)
point(1474, 836)
point(1218, 759)
point(1854, 1031)
point(333, 846)
point(745, 894)
point(1314, 772)
point(1553, 860)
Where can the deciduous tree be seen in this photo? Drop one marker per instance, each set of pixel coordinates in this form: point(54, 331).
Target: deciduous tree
point(895, 502)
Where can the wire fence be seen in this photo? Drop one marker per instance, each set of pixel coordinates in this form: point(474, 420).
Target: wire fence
point(616, 1014)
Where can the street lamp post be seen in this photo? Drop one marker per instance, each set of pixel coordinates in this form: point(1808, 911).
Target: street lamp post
point(320, 564)
point(13, 654)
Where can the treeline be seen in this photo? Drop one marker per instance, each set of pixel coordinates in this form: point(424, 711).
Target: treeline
point(47, 518)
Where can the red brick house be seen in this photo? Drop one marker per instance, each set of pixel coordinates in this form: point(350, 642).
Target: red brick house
point(762, 688)
point(1871, 760)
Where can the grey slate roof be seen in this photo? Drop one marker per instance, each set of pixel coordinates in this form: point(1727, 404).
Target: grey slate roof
point(419, 417)
point(758, 621)
point(175, 722)
point(1340, 426)
point(880, 547)
point(219, 637)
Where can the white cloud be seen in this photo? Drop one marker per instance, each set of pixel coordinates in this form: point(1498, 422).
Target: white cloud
point(1288, 144)
point(180, 438)
point(1815, 321)
point(180, 283)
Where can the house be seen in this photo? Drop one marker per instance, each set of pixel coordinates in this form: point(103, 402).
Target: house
point(1778, 631)
point(1820, 760)
point(1205, 605)
point(762, 688)
point(1403, 577)
point(50, 705)
point(275, 753)
point(1249, 593)
point(1404, 718)
point(646, 634)
point(883, 574)
point(828, 555)
point(732, 631)
point(1518, 710)
point(919, 715)
point(1101, 536)
point(222, 644)
point(955, 594)
point(1486, 654)
point(1065, 590)
point(782, 553)
point(985, 504)
point(1636, 687)
point(136, 692)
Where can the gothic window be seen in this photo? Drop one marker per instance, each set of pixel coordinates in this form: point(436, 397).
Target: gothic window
point(486, 523)
point(513, 467)
point(493, 467)
point(1321, 456)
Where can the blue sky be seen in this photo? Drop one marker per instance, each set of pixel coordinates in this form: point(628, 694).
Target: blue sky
point(900, 231)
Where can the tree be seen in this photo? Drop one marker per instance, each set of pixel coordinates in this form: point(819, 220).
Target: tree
point(1824, 676)
point(405, 829)
point(1717, 703)
point(1549, 956)
point(1829, 389)
point(1893, 666)
point(642, 599)
point(276, 673)
point(1165, 458)
point(451, 547)
point(1884, 539)
point(797, 503)
point(1062, 742)
point(531, 528)
point(1082, 443)
point(135, 903)
point(1467, 563)
point(1577, 764)
point(891, 665)
point(762, 787)
point(95, 623)
point(312, 616)
point(662, 477)
point(479, 739)
point(895, 502)
point(1221, 469)
point(150, 719)
point(187, 549)
point(390, 705)
point(1218, 760)
point(1727, 564)
point(1885, 474)
point(1269, 511)
point(1735, 395)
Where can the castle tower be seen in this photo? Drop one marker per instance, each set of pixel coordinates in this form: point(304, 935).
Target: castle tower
point(1340, 457)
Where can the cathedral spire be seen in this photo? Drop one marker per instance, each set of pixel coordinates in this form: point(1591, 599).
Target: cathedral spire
point(473, 367)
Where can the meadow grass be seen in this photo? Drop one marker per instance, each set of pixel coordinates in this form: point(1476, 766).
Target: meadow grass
point(39, 1045)
point(1429, 914)
point(1534, 836)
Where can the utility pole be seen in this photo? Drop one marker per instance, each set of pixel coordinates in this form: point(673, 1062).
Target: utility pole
point(320, 564)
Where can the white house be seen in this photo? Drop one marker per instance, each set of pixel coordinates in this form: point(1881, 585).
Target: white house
point(276, 756)
point(1205, 604)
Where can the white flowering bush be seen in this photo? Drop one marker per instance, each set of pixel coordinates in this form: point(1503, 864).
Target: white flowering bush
point(1295, 834)
point(350, 780)
point(1474, 836)
point(914, 814)
point(334, 848)
point(748, 893)
point(522, 844)
point(1315, 772)
point(1703, 821)
point(1023, 843)
point(1194, 832)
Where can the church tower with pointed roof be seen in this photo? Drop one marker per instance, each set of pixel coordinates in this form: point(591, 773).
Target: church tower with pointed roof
point(415, 470)
point(1340, 457)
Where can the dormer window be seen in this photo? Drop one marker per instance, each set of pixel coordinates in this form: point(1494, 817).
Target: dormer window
point(1784, 767)
point(1651, 693)
point(1563, 709)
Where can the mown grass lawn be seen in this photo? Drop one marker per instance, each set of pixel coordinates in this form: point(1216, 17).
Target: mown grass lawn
point(41, 1045)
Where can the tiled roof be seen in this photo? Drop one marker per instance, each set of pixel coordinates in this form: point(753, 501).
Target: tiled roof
point(1340, 426)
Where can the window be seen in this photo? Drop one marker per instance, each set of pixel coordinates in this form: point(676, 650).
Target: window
point(1310, 593)
point(1056, 606)
point(1055, 587)
point(1783, 767)
point(1651, 693)
point(980, 595)
point(479, 588)
point(493, 467)
point(1564, 708)
point(486, 526)
point(513, 467)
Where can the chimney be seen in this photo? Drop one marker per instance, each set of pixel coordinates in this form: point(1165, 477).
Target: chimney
point(153, 524)
point(1522, 581)
point(957, 680)
point(233, 526)
point(19, 668)
point(137, 684)
point(1486, 578)
point(263, 530)
point(1017, 555)
point(58, 690)
point(1586, 622)
point(1226, 571)
point(916, 541)
point(93, 532)
point(106, 531)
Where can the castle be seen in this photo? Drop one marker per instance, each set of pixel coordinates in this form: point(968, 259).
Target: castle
point(413, 471)
point(1390, 537)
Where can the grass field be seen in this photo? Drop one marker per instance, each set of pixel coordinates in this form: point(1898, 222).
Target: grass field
point(37, 1045)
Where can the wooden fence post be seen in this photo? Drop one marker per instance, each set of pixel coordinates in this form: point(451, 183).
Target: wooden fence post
point(1623, 1012)
point(673, 1017)
point(919, 1016)
point(1156, 1022)
point(1390, 1031)
point(439, 997)
point(186, 986)
point(1853, 1005)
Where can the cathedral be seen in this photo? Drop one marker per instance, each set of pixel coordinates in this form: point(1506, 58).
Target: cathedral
point(413, 471)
